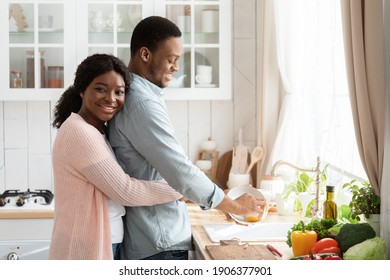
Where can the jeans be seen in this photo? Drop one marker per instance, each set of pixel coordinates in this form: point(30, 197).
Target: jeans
point(169, 255)
point(115, 251)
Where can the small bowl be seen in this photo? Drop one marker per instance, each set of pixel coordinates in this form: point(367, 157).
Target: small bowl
point(203, 164)
point(238, 191)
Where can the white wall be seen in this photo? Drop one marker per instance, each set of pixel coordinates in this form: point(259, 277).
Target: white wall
point(26, 135)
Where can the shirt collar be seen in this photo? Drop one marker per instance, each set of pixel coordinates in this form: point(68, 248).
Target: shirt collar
point(155, 89)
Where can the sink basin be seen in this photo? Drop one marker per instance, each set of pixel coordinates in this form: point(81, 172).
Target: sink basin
point(256, 232)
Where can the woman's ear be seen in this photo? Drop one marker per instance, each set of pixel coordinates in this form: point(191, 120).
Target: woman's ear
point(82, 94)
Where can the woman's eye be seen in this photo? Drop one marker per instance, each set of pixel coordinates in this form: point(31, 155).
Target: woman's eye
point(120, 92)
point(101, 90)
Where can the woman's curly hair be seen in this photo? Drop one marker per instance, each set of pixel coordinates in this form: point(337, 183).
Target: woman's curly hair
point(91, 67)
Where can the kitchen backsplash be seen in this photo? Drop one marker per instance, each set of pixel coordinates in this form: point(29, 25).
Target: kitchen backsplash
point(26, 135)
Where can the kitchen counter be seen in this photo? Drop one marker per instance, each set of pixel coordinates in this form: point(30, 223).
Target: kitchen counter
point(200, 217)
point(27, 214)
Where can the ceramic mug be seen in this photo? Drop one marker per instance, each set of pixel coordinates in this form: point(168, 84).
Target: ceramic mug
point(203, 78)
point(204, 69)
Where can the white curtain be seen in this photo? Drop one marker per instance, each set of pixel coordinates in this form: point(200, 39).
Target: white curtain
point(293, 44)
point(308, 45)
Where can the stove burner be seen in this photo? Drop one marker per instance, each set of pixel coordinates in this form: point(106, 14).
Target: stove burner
point(28, 195)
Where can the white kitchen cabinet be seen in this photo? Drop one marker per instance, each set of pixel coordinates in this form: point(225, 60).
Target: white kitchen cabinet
point(59, 34)
point(36, 38)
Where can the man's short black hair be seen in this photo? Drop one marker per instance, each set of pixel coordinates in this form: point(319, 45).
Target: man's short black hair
point(151, 32)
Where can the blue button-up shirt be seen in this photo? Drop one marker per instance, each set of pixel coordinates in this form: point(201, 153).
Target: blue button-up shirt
point(144, 142)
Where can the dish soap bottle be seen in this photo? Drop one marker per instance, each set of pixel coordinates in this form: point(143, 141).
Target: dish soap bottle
point(330, 207)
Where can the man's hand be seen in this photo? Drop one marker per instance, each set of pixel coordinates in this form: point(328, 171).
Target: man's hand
point(244, 205)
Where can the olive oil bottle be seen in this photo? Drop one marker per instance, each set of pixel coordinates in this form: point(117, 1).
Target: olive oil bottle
point(330, 207)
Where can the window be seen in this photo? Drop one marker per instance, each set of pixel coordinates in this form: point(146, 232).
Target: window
point(316, 117)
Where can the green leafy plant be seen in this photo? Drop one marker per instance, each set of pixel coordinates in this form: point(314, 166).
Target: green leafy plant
point(304, 182)
point(364, 200)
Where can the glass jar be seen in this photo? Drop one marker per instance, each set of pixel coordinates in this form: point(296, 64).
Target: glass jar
point(56, 76)
point(30, 62)
point(16, 79)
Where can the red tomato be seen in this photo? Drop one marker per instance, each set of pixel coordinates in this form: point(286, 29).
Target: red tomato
point(330, 250)
point(323, 243)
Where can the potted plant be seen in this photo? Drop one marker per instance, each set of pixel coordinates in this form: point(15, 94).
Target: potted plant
point(364, 200)
point(303, 189)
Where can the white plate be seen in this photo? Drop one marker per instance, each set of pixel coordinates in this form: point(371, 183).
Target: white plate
point(238, 191)
point(31, 29)
point(205, 85)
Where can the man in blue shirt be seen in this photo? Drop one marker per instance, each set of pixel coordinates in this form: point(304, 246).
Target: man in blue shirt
point(144, 142)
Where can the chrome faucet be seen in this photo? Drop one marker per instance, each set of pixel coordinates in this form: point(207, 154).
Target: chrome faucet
point(316, 170)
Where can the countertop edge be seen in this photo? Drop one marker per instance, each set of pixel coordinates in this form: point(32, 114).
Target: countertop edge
point(26, 214)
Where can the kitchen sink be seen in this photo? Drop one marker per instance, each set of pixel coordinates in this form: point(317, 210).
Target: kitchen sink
point(255, 232)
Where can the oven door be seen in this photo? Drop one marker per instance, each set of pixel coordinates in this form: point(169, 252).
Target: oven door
point(24, 249)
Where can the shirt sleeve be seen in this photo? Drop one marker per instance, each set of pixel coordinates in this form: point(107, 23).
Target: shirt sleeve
point(87, 153)
point(148, 128)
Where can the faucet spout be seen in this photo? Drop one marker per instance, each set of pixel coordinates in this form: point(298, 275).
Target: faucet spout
point(315, 170)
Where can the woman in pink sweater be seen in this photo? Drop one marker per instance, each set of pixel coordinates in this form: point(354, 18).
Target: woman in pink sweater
point(86, 173)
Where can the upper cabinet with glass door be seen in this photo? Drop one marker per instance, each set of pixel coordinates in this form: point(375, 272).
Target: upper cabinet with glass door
point(106, 26)
point(35, 67)
point(205, 66)
point(45, 40)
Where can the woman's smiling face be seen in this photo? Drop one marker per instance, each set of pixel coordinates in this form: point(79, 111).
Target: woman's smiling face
point(103, 97)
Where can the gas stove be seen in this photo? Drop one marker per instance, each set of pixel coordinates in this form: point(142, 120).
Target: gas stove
point(26, 223)
point(16, 199)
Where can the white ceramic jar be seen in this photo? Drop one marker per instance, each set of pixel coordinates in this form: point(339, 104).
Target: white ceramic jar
point(208, 145)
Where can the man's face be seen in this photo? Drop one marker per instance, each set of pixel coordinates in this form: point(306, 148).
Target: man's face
point(164, 62)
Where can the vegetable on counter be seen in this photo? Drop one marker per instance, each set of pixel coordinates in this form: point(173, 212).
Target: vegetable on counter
point(326, 245)
point(370, 249)
point(302, 240)
point(352, 234)
point(321, 227)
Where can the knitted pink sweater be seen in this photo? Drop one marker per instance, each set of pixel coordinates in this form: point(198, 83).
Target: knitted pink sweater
point(85, 173)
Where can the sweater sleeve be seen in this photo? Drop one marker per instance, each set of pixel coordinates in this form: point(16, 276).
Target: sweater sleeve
point(87, 153)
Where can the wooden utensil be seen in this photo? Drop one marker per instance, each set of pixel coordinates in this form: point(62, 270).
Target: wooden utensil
point(240, 156)
point(256, 156)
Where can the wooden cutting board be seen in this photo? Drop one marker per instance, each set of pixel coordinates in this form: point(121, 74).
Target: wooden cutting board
point(223, 169)
point(239, 252)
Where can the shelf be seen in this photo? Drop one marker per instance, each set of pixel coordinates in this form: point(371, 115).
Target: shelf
point(21, 33)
